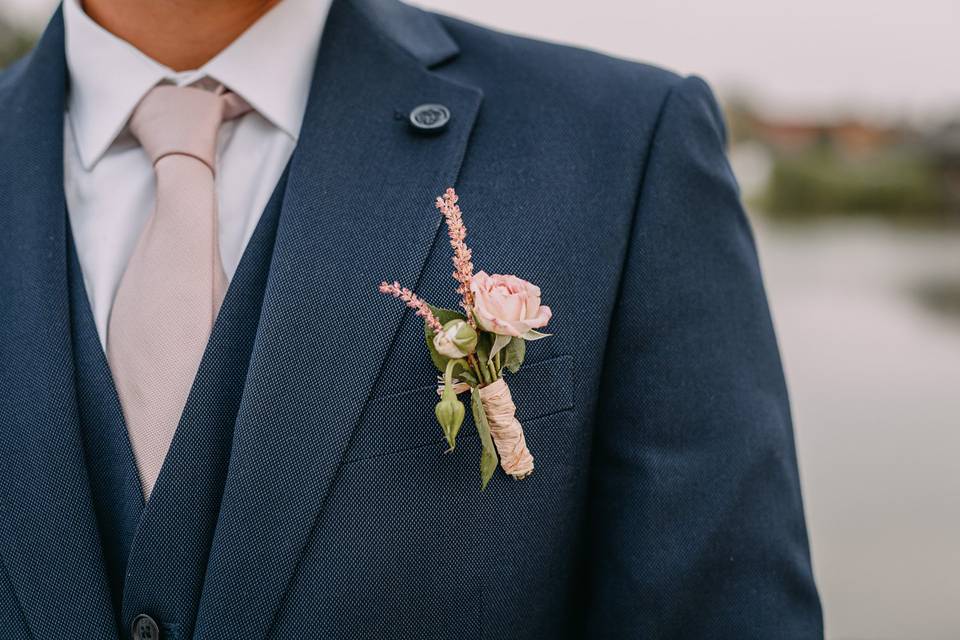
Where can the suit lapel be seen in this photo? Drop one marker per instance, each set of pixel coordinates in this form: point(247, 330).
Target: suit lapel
point(358, 209)
point(50, 544)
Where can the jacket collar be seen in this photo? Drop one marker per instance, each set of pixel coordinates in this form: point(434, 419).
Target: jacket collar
point(418, 33)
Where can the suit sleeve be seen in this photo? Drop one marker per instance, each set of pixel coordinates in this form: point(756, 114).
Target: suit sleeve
point(696, 526)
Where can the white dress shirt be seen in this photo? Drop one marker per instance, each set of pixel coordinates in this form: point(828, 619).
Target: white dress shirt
point(108, 179)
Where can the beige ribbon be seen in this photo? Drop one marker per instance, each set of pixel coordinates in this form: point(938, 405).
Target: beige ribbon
point(507, 433)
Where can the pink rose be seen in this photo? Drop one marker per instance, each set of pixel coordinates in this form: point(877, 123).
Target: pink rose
point(507, 305)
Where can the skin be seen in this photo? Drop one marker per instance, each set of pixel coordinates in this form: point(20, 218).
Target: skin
point(181, 34)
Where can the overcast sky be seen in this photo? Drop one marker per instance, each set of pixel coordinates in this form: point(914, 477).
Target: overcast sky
point(875, 57)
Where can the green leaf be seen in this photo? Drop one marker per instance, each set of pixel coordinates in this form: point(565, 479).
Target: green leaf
point(513, 354)
point(464, 374)
point(488, 458)
point(499, 342)
point(444, 316)
point(484, 345)
point(533, 334)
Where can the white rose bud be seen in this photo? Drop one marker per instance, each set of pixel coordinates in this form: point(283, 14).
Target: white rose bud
point(456, 340)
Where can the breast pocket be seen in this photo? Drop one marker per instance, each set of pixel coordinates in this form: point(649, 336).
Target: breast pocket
point(403, 421)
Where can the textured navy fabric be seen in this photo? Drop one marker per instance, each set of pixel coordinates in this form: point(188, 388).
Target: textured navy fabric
point(665, 501)
point(167, 543)
point(114, 483)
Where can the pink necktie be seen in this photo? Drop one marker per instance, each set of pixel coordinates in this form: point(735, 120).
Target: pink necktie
point(174, 283)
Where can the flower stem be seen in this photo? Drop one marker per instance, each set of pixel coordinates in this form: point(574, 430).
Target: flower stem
point(448, 374)
point(484, 370)
point(487, 368)
point(477, 369)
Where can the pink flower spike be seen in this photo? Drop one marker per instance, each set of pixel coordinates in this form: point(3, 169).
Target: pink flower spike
point(457, 232)
point(414, 302)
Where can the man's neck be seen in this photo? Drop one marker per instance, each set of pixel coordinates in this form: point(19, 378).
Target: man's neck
point(181, 34)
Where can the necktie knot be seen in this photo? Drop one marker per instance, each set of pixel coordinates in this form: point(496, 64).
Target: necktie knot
point(183, 120)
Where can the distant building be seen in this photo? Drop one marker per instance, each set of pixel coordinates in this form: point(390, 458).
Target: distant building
point(850, 137)
point(845, 165)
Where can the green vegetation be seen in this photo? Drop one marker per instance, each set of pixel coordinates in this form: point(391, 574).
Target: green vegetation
point(13, 44)
point(942, 296)
point(820, 181)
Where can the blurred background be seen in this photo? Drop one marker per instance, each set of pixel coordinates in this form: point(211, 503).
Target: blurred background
point(845, 135)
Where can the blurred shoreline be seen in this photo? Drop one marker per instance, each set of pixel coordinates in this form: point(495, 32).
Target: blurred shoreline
point(805, 170)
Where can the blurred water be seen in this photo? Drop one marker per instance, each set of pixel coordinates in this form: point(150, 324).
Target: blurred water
point(875, 381)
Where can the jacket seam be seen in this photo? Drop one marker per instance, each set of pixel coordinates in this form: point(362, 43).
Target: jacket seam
point(638, 198)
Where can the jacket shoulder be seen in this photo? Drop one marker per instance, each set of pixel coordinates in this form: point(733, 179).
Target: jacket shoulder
point(600, 86)
point(10, 75)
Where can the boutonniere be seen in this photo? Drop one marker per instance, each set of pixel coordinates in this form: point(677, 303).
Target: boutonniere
point(473, 348)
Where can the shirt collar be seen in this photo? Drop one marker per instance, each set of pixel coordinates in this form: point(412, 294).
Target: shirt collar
point(270, 66)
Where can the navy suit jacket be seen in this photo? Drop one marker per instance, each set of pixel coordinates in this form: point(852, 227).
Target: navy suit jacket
point(665, 502)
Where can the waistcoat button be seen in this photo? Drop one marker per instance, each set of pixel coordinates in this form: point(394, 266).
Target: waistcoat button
point(145, 628)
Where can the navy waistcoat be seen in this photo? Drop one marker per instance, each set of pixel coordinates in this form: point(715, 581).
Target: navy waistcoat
point(155, 553)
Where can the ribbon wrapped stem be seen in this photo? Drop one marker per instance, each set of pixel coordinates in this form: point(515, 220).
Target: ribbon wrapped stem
point(507, 433)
